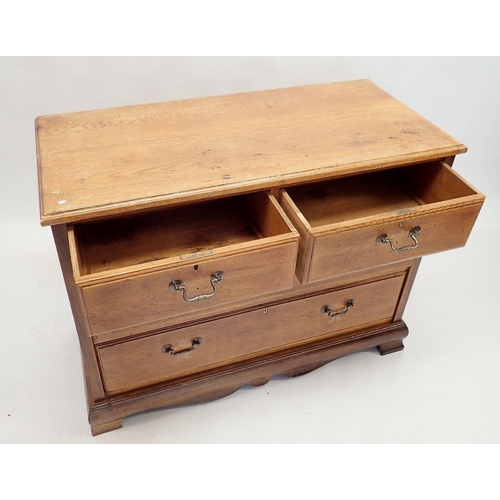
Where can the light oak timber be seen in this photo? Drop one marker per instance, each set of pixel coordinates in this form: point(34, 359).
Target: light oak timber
point(183, 151)
point(344, 217)
point(286, 191)
point(306, 240)
point(121, 245)
point(342, 253)
point(251, 269)
point(112, 306)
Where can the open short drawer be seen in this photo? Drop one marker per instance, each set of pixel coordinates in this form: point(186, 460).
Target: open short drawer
point(377, 218)
point(150, 269)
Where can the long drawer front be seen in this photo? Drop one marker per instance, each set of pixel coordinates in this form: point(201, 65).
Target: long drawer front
point(163, 356)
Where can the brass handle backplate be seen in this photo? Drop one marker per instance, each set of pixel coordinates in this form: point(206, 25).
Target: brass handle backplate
point(178, 285)
point(413, 233)
point(326, 309)
point(169, 349)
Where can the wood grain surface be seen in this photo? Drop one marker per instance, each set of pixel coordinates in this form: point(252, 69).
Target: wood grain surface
point(144, 301)
point(110, 161)
point(344, 218)
point(128, 365)
point(139, 196)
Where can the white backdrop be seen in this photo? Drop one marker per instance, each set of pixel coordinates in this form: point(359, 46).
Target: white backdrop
point(443, 388)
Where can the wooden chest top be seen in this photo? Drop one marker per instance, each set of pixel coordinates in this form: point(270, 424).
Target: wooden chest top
point(99, 163)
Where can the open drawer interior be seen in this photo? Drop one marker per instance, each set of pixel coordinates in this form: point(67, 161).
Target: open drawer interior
point(178, 233)
point(391, 191)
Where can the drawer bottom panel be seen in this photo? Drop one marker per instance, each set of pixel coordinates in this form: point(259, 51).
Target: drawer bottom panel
point(163, 356)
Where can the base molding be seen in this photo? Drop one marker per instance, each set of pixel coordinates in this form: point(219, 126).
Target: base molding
point(108, 414)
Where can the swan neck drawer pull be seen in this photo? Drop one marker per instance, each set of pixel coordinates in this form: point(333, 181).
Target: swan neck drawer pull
point(169, 349)
point(413, 233)
point(178, 285)
point(331, 314)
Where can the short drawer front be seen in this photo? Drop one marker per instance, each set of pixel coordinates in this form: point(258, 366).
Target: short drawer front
point(366, 221)
point(161, 357)
point(366, 247)
point(149, 301)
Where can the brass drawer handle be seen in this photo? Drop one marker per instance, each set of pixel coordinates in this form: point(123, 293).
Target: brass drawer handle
point(413, 233)
point(169, 349)
point(348, 304)
point(177, 285)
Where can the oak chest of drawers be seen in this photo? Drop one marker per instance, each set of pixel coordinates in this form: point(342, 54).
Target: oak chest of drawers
point(216, 242)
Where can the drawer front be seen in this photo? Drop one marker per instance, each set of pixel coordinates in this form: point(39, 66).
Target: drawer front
point(365, 221)
point(149, 301)
point(160, 357)
point(366, 247)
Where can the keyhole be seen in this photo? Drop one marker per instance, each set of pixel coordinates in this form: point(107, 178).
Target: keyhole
point(196, 267)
